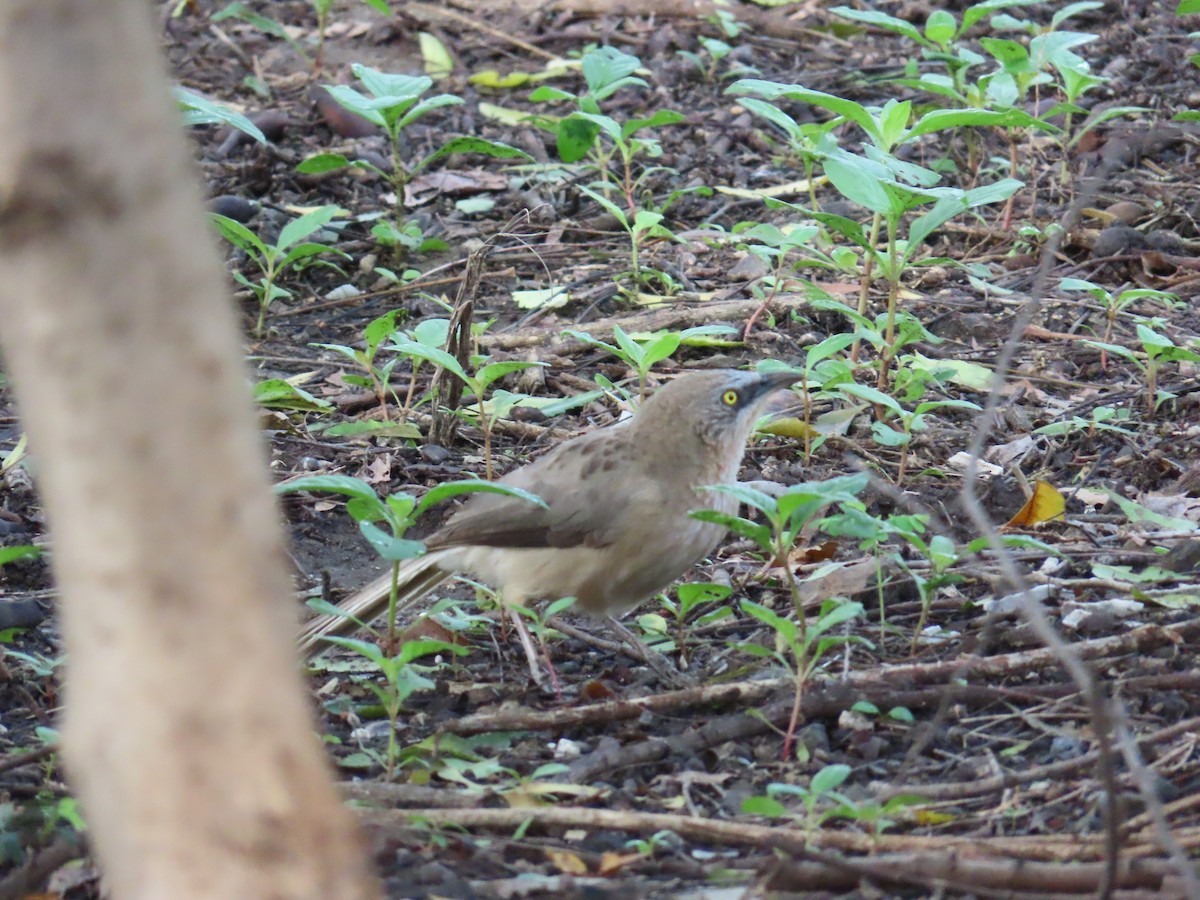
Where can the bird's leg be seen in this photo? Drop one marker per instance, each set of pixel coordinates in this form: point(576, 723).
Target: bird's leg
point(531, 656)
point(655, 660)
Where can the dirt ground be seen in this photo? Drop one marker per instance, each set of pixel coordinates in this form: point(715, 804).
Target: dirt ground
point(953, 755)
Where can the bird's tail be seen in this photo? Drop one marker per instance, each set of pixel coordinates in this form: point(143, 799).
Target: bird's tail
point(415, 579)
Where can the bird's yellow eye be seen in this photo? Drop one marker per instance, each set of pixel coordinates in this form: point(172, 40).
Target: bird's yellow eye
point(730, 398)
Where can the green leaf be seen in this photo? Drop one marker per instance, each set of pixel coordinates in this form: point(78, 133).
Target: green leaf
point(872, 395)
point(359, 104)
point(474, 486)
point(829, 778)
point(345, 485)
point(298, 229)
point(474, 145)
point(884, 21)
point(751, 497)
point(615, 211)
point(238, 235)
point(322, 162)
point(199, 110)
point(432, 354)
point(607, 68)
point(767, 806)
point(12, 554)
point(785, 628)
point(388, 546)
point(772, 90)
point(659, 118)
point(275, 393)
point(489, 373)
point(575, 137)
point(395, 87)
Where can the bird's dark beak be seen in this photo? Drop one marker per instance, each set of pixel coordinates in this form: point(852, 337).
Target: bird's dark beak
point(768, 384)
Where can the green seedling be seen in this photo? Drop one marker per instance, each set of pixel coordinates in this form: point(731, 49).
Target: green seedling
point(290, 249)
point(377, 377)
point(1114, 304)
point(1103, 418)
point(940, 553)
point(199, 110)
point(713, 52)
point(670, 636)
point(485, 374)
point(1156, 350)
point(822, 791)
point(265, 24)
point(909, 421)
point(393, 102)
point(900, 714)
point(397, 513)
point(785, 516)
point(401, 679)
point(942, 42)
point(641, 353)
point(605, 71)
point(643, 226)
point(889, 188)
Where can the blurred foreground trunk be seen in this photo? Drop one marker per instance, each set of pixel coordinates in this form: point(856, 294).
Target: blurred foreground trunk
point(186, 732)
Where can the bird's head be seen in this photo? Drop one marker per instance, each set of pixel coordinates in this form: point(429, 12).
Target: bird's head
point(719, 407)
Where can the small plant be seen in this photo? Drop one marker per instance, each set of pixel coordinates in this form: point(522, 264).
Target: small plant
point(393, 102)
point(822, 801)
point(798, 645)
point(1103, 418)
point(401, 679)
point(1156, 350)
point(713, 52)
point(290, 249)
point(605, 71)
point(645, 224)
point(910, 421)
point(485, 374)
point(683, 615)
point(891, 188)
point(641, 353)
point(377, 377)
point(1114, 304)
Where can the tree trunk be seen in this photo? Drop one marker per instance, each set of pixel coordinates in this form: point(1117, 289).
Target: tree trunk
point(186, 732)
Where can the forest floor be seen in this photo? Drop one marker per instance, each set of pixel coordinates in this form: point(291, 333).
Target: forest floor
point(945, 749)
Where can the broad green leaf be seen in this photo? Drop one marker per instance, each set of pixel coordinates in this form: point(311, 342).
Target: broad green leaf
point(829, 778)
point(199, 110)
point(472, 145)
point(473, 486)
point(606, 69)
point(238, 235)
point(767, 806)
point(275, 393)
point(298, 229)
point(322, 162)
point(432, 354)
point(13, 554)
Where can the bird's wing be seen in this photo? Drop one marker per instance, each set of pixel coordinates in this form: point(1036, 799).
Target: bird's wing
point(579, 509)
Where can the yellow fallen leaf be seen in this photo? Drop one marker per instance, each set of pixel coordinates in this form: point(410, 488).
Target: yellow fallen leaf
point(612, 863)
point(1045, 505)
point(790, 427)
point(566, 861)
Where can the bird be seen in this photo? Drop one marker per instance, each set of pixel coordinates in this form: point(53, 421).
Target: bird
point(615, 526)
